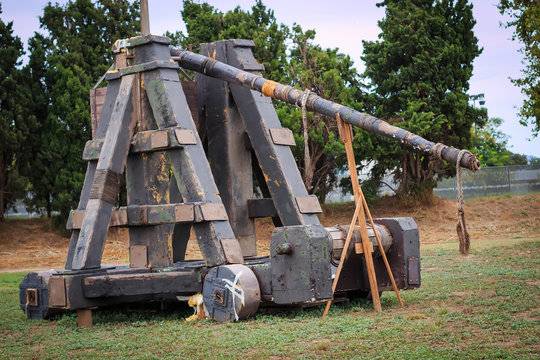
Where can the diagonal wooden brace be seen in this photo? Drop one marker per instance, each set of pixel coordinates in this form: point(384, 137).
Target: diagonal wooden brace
point(190, 166)
point(104, 189)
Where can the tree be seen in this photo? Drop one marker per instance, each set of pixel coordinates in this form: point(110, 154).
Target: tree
point(13, 123)
point(525, 18)
point(38, 163)
point(329, 74)
point(419, 73)
point(204, 24)
point(66, 61)
point(325, 72)
point(490, 145)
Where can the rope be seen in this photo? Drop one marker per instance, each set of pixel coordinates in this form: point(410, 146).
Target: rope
point(461, 228)
point(236, 291)
point(307, 157)
point(437, 150)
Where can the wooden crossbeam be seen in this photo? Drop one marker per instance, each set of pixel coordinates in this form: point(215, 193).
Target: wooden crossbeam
point(144, 215)
point(147, 141)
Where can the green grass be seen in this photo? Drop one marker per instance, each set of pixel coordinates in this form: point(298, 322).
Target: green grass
point(485, 306)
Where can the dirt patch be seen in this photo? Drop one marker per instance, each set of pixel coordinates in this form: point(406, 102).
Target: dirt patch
point(32, 243)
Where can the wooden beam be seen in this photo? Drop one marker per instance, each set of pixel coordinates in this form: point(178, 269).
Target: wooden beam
point(173, 282)
point(190, 166)
point(276, 161)
point(148, 215)
point(104, 190)
point(228, 150)
point(259, 208)
point(84, 318)
point(102, 125)
point(146, 141)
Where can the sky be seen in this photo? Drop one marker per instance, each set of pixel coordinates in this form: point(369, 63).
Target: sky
point(344, 24)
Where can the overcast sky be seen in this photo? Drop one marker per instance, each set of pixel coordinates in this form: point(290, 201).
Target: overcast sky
point(344, 24)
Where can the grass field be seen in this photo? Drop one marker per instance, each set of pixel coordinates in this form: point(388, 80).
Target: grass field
point(484, 306)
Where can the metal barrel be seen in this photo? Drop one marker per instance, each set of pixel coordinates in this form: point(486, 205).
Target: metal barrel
point(216, 69)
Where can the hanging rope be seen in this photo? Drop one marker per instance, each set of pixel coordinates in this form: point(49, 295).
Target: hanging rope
point(461, 227)
point(307, 157)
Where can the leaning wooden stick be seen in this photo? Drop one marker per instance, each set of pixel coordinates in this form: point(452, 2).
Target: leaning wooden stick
point(343, 256)
point(346, 133)
point(383, 254)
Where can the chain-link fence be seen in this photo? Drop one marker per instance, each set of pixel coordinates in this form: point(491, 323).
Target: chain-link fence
point(518, 179)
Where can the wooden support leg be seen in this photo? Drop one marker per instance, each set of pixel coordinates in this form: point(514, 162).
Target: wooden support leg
point(190, 166)
point(110, 166)
point(100, 132)
point(346, 135)
point(84, 318)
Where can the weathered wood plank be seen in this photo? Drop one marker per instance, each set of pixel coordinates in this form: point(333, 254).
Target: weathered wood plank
point(259, 208)
point(146, 141)
point(190, 166)
point(149, 215)
point(89, 248)
point(147, 182)
point(228, 151)
point(97, 101)
point(102, 125)
point(142, 284)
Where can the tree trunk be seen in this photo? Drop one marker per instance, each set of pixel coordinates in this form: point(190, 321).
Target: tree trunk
point(416, 178)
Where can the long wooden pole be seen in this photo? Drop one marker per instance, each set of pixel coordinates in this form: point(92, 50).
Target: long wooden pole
point(286, 93)
point(346, 136)
point(145, 18)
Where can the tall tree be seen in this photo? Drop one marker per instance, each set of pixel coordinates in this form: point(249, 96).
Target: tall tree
point(419, 71)
point(13, 123)
point(329, 74)
point(525, 19)
point(76, 48)
point(308, 66)
point(39, 164)
point(204, 23)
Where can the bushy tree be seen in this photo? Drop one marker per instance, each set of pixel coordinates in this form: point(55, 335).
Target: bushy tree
point(13, 122)
point(419, 71)
point(38, 163)
point(525, 19)
point(204, 23)
point(303, 64)
point(73, 52)
point(490, 145)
